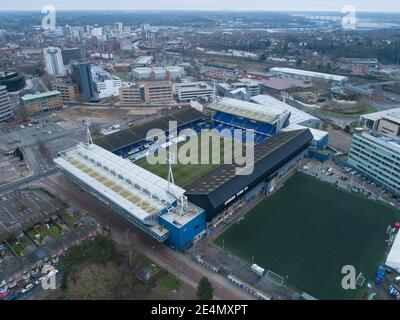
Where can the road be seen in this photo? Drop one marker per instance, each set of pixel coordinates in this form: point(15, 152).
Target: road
point(175, 262)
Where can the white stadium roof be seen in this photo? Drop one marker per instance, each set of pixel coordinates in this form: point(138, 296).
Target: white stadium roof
point(136, 190)
point(296, 116)
point(309, 74)
point(249, 110)
point(393, 258)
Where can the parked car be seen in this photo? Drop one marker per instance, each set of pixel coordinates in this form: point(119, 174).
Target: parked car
point(27, 288)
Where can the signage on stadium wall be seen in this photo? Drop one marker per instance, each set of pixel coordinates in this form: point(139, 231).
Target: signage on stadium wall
point(236, 195)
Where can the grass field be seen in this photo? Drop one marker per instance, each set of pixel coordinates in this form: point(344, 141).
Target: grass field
point(186, 173)
point(308, 231)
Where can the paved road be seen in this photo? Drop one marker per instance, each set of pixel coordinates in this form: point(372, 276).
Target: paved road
point(21, 182)
point(175, 262)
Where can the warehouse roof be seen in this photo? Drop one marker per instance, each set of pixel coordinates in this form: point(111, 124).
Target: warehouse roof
point(137, 133)
point(310, 74)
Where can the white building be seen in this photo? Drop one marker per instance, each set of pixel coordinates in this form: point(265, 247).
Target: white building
point(143, 62)
point(54, 62)
point(297, 117)
point(105, 84)
point(159, 73)
point(307, 75)
point(386, 122)
point(187, 91)
point(6, 111)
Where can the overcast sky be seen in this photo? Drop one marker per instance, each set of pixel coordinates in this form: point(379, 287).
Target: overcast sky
point(331, 5)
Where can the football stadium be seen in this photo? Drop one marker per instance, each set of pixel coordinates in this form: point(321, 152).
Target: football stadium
point(176, 203)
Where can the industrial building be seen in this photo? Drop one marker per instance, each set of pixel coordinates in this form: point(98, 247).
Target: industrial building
point(6, 110)
point(158, 73)
point(297, 116)
point(143, 62)
point(378, 157)
point(42, 102)
point(54, 62)
point(188, 91)
point(151, 203)
point(308, 75)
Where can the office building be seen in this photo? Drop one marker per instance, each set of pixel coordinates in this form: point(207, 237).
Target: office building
point(68, 90)
point(385, 122)
point(158, 92)
point(54, 62)
point(158, 73)
point(187, 91)
point(378, 157)
point(105, 84)
point(42, 102)
point(131, 94)
point(6, 110)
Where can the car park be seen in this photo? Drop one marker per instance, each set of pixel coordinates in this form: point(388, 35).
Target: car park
point(27, 288)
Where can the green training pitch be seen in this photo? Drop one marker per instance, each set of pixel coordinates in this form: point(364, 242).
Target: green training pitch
point(308, 230)
point(187, 173)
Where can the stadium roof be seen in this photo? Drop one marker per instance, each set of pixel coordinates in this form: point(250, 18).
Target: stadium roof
point(213, 190)
point(136, 190)
point(137, 133)
point(249, 110)
point(296, 116)
point(310, 74)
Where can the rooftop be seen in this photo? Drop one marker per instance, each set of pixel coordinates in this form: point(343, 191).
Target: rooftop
point(296, 115)
point(136, 190)
point(311, 74)
point(392, 115)
point(42, 95)
point(249, 110)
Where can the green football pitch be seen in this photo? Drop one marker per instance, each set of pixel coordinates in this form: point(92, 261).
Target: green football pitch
point(187, 173)
point(308, 230)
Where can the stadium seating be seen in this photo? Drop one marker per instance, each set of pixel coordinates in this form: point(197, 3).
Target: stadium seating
point(227, 121)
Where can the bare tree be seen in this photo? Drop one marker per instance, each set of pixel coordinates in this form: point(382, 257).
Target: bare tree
point(97, 282)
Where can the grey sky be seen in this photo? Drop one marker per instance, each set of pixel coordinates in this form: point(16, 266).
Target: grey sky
point(331, 5)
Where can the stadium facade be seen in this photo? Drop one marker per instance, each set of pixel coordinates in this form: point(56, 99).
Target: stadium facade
point(154, 205)
point(221, 187)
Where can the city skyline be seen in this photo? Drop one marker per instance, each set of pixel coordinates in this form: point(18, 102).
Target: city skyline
point(252, 5)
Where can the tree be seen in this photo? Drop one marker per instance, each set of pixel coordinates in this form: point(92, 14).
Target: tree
point(99, 282)
point(205, 290)
point(319, 85)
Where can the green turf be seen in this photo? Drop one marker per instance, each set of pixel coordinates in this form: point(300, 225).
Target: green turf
point(185, 174)
point(308, 230)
